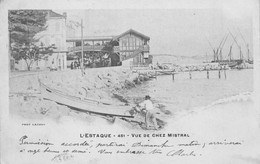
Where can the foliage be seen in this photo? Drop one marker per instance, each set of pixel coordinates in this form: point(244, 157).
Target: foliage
point(109, 46)
point(25, 24)
point(31, 53)
point(23, 27)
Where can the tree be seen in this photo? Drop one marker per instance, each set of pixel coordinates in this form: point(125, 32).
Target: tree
point(25, 24)
point(23, 27)
point(109, 47)
point(31, 53)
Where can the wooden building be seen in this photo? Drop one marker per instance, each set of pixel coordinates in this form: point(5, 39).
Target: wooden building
point(133, 48)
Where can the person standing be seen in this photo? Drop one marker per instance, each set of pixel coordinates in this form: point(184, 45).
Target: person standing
point(75, 64)
point(71, 65)
point(148, 107)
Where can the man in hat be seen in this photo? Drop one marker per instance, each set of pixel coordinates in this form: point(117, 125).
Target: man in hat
point(147, 105)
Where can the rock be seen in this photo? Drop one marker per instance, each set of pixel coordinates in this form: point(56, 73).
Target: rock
point(119, 97)
point(129, 84)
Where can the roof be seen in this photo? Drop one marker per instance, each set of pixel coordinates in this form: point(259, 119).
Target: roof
point(131, 31)
point(53, 14)
point(90, 38)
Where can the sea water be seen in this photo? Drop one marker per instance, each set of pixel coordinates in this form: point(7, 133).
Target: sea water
point(185, 93)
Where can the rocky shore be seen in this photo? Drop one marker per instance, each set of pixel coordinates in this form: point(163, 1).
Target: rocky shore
point(103, 84)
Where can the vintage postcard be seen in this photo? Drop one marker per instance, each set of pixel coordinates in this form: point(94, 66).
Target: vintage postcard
point(130, 82)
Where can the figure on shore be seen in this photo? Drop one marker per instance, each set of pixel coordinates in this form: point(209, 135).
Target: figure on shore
point(79, 63)
point(71, 65)
point(148, 107)
point(75, 64)
point(53, 67)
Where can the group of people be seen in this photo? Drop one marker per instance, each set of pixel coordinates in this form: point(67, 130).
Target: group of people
point(75, 65)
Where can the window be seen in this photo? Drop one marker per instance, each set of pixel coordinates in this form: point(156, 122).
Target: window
point(47, 41)
point(57, 26)
point(58, 43)
point(124, 44)
point(131, 43)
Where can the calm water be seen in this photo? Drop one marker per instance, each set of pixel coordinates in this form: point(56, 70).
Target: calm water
point(184, 93)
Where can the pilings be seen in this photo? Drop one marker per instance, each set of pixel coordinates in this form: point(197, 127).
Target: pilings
point(225, 74)
point(213, 74)
point(218, 74)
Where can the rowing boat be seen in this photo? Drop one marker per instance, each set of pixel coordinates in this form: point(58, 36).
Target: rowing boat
point(165, 72)
point(85, 105)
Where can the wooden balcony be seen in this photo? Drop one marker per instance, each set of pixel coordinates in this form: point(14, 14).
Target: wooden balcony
point(86, 48)
point(144, 48)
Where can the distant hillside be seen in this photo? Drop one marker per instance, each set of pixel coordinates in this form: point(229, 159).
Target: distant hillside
point(168, 58)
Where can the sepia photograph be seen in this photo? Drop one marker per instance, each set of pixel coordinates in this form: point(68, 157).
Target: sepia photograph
point(147, 85)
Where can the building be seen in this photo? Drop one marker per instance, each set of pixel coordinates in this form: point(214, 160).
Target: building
point(131, 47)
point(54, 34)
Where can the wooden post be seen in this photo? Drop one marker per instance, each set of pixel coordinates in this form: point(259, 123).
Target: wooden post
point(173, 76)
point(219, 76)
point(207, 74)
point(225, 73)
point(82, 48)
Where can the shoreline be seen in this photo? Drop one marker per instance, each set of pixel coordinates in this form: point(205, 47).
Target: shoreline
point(105, 85)
point(109, 85)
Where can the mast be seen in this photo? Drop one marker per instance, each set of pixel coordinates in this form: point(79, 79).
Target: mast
point(214, 51)
point(240, 50)
point(246, 44)
point(206, 57)
point(230, 53)
point(230, 50)
point(221, 47)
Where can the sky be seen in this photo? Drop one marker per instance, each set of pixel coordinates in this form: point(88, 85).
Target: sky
point(181, 32)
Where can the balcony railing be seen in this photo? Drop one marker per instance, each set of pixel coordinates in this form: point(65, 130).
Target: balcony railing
point(144, 48)
point(86, 48)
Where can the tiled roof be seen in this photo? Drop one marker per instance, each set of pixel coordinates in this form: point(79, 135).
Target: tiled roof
point(131, 31)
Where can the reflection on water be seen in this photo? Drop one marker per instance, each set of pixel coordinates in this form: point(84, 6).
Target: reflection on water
point(184, 93)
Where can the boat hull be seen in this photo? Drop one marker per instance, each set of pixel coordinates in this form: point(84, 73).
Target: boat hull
point(85, 105)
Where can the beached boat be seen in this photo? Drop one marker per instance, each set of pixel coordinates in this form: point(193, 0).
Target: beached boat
point(84, 105)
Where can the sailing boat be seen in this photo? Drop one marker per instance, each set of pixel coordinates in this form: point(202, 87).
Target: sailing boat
point(247, 47)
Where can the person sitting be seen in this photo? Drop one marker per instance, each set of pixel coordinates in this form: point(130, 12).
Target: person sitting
point(148, 107)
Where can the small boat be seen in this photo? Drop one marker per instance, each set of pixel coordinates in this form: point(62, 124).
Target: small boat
point(230, 63)
point(84, 105)
point(164, 72)
point(107, 111)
